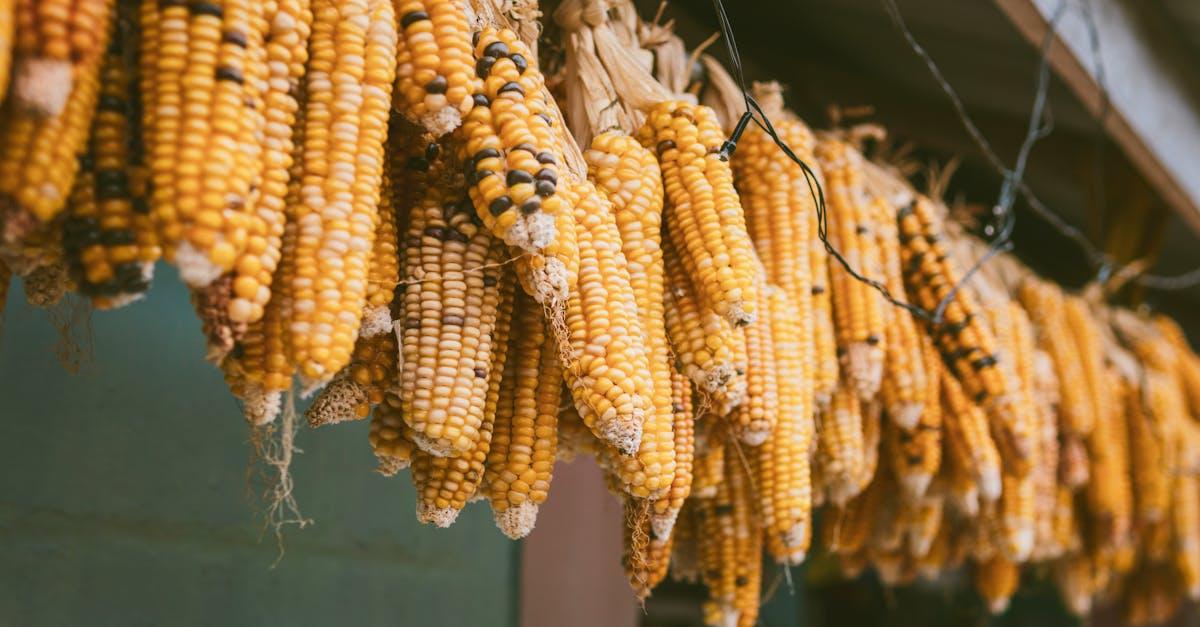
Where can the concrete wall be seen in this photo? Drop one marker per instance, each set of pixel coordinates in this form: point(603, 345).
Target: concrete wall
point(122, 499)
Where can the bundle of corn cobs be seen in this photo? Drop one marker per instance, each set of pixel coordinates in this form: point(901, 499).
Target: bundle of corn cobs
point(383, 199)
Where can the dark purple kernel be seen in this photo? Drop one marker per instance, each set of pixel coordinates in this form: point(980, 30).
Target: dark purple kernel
point(496, 49)
point(484, 66)
point(516, 177)
point(513, 87)
point(545, 158)
point(547, 174)
point(544, 188)
point(664, 146)
point(480, 100)
point(533, 205)
point(520, 62)
point(413, 17)
point(436, 86)
point(500, 205)
point(235, 37)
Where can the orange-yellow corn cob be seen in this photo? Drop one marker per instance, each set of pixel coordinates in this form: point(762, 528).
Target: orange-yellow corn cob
point(435, 66)
point(608, 372)
point(996, 580)
point(709, 468)
point(1046, 307)
point(1108, 492)
point(384, 271)
point(54, 40)
point(1012, 429)
point(506, 147)
point(360, 385)
point(921, 520)
point(858, 309)
point(1185, 518)
point(666, 510)
point(1016, 517)
point(109, 242)
point(1076, 583)
point(445, 484)
point(685, 549)
point(916, 454)
point(841, 449)
point(754, 419)
point(646, 556)
point(733, 589)
point(904, 372)
point(393, 450)
point(847, 529)
point(451, 301)
point(39, 151)
point(703, 342)
point(967, 438)
point(825, 358)
point(779, 209)
point(346, 124)
point(7, 19)
point(1147, 461)
point(525, 436)
point(704, 216)
point(781, 464)
point(1187, 362)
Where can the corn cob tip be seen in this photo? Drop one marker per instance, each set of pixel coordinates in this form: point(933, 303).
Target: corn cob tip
point(915, 483)
point(121, 299)
point(738, 316)
point(716, 377)
point(376, 320)
point(906, 415)
point(1020, 543)
point(442, 121)
point(532, 233)
point(890, 571)
point(549, 282)
point(722, 614)
point(435, 447)
point(42, 86)
point(705, 492)
point(661, 525)
point(338, 402)
point(259, 406)
point(998, 605)
point(389, 466)
point(753, 437)
point(47, 284)
point(623, 435)
point(795, 544)
point(518, 520)
point(966, 502)
point(441, 516)
point(195, 268)
point(864, 368)
point(1078, 602)
point(989, 483)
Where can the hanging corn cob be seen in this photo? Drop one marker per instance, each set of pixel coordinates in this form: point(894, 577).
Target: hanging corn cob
point(435, 67)
point(55, 40)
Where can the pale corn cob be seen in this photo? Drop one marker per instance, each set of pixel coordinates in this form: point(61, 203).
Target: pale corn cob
point(825, 358)
point(445, 484)
point(451, 301)
point(506, 147)
point(346, 123)
point(685, 552)
point(435, 66)
point(858, 309)
point(54, 40)
point(520, 463)
point(701, 197)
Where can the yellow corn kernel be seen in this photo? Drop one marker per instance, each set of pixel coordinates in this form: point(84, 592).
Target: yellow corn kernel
point(703, 342)
point(506, 146)
point(608, 369)
point(967, 439)
point(54, 39)
point(346, 114)
point(731, 547)
point(39, 153)
point(525, 436)
point(435, 64)
point(754, 419)
point(1012, 419)
point(384, 271)
point(704, 216)
point(360, 385)
point(393, 450)
point(825, 358)
point(709, 468)
point(904, 372)
point(450, 303)
point(841, 448)
point(445, 484)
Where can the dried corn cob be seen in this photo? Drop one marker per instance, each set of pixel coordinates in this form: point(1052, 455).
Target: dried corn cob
point(904, 384)
point(996, 580)
point(967, 439)
point(1147, 461)
point(922, 521)
point(704, 216)
point(858, 309)
point(435, 66)
point(55, 41)
point(608, 369)
point(825, 358)
point(445, 484)
point(525, 437)
point(1187, 361)
point(506, 148)
point(7, 19)
point(39, 153)
point(107, 238)
point(916, 454)
point(360, 385)
point(647, 556)
point(1045, 305)
point(342, 172)
point(389, 441)
point(450, 302)
point(1108, 492)
point(666, 510)
point(703, 342)
point(841, 451)
point(1185, 526)
point(754, 419)
point(709, 468)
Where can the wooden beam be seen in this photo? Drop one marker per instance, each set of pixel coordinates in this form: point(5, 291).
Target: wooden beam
point(1152, 117)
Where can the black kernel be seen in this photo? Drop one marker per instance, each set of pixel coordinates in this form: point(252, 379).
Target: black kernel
point(118, 237)
point(984, 362)
point(818, 289)
point(526, 146)
point(453, 320)
point(549, 122)
point(664, 146)
point(544, 188)
point(500, 205)
point(478, 176)
point(532, 205)
point(475, 39)
point(437, 85)
point(486, 153)
point(109, 102)
point(545, 158)
point(511, 86)
point(230, 74)
point(432, 151)
point(520, 62)
point(489, 281)
point(437, 233)
point(516, 177)
point(420, 164)
point(483, 66)
point(235, 37)
point(205, 8)
point(413, 17)
point(741, 580)
point(480, 100)
point(872, 339)
point(496, 49)
point(546, 174)
point(723, 509)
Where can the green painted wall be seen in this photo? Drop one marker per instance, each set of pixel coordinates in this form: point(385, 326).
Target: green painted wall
point(123, 502)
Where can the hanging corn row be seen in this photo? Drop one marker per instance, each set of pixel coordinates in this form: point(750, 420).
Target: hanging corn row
point(383, 201)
